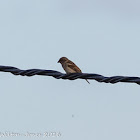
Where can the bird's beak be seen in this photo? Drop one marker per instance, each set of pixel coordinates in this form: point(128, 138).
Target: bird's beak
point(58, 62)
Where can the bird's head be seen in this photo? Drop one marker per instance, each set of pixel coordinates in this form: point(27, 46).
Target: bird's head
point(62, 60)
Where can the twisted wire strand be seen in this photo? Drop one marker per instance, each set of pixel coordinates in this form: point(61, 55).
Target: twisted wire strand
point(72, 76)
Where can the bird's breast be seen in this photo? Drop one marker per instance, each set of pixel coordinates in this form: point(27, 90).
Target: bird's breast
point(68, 69)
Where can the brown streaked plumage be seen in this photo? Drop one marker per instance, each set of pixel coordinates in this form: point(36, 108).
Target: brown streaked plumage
point(69, 66)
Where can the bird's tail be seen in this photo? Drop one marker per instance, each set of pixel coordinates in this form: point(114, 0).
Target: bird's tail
point(87, 81)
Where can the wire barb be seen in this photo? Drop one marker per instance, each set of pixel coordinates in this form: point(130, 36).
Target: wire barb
point(71, 76)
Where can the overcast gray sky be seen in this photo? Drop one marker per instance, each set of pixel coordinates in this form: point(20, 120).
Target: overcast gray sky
point(100, 36)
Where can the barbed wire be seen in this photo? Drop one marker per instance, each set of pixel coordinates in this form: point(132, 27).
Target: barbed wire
point(72, 76)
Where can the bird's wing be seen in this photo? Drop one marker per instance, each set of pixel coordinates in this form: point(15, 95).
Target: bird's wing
point(73, 66)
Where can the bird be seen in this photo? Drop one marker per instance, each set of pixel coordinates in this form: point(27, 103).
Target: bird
point(69, 66)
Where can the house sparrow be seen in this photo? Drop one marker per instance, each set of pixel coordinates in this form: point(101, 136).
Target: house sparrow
point(69, 66)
